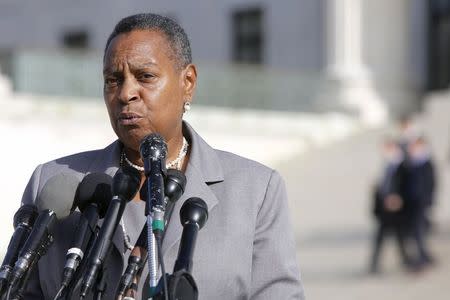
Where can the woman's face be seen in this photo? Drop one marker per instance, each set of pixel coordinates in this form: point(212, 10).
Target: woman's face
point(143, 90)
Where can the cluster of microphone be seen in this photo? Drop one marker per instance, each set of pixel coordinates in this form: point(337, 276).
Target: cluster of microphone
point(100, 196)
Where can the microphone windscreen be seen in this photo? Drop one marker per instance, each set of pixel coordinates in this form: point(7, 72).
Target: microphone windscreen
point(154, 146)
point(26, 214)
point(194, 210)
point(175, 184)
point(58, 194)
point(126, 183)
point(95, 188)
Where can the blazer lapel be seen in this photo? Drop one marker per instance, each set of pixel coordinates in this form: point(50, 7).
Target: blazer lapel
point(203, 169)
point(195, 187)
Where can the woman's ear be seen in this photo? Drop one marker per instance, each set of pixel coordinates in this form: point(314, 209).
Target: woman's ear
point(189, 81)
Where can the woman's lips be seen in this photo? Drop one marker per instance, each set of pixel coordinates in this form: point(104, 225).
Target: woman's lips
point(129, 118)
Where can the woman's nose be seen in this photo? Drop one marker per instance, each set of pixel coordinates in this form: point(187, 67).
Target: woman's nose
point(129, 90)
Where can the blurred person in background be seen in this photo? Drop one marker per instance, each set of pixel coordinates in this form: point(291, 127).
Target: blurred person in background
point(407, 133)
point(419, 196)
point(410, 134)
point(422, 160)
point(388, 203)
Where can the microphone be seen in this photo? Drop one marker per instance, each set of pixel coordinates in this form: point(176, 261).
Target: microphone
point(175, 184)
point(174, 188)
point(153, 152)
point(126, 183)
point(136, 262)
point(23, 222)
point(92, 198)
point(193, 216)
point(181, 284)
point(54, 202)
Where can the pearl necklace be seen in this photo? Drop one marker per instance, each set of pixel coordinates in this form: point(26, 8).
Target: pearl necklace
point(174, 164)
point(177, 162)
point(124, 157)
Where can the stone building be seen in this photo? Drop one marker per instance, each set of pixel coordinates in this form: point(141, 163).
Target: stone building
point(373, 58)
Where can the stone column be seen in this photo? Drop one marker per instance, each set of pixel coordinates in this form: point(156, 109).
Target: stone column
point(395, 44)
point(347, 81)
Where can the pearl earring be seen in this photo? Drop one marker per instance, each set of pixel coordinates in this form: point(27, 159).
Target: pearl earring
point(187, 106)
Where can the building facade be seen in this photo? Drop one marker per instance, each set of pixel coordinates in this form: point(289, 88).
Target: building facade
point(369, 57)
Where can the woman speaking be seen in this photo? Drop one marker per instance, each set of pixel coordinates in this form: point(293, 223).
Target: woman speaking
point(246, 249)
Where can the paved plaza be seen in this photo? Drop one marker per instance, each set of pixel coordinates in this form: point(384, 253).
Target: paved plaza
point(329, 190)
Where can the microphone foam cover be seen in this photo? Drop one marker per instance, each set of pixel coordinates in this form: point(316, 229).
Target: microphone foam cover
point(27, 214)
point(95, 188)
point(126, 183)
point(153, 146)
point(175, 182)
point(194, 210)
point(58, 194)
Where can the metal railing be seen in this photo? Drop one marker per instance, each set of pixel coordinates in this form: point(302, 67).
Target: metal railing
point(72, 73)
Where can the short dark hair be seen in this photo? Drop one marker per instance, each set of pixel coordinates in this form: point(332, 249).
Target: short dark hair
point(176, 36)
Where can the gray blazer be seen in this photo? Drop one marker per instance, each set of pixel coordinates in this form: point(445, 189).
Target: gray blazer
point(246, 249)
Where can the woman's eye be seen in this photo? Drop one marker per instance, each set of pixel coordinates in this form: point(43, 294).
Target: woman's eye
point(111, 81)
point(147, 76)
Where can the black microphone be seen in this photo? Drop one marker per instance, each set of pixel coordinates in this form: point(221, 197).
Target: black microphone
point(136, 262)
point(92, 199)
point(54, 202)
point(193, 216)
point(153, 150)
point(181, 284)
point(174, 186)
point(23, 222)
point(126, 184)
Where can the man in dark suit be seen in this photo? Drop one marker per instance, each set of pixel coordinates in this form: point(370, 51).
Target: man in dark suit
point(389, 204)
point(419, 193)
